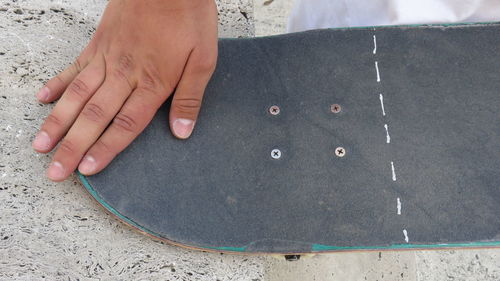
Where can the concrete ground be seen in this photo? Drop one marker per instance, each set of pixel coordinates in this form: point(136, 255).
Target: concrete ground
point(57, 232)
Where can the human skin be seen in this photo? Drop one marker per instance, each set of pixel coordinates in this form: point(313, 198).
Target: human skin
point(142, 52)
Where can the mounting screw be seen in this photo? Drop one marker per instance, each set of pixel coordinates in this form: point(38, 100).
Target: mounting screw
point(276, 154)
point(274, 110)
point(335, 108)
point(340, 151)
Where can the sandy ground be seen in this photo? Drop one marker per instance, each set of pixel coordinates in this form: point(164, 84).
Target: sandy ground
point(57, 232)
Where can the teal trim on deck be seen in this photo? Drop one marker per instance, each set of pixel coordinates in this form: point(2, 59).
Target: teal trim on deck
point(315, 247)
point(229, 249)
point(94, 194)
point(323, 248)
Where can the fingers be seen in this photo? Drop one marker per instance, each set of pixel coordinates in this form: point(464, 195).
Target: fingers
point(91, 122)
point(77, 93)
point(135, 115)
point(189, 93)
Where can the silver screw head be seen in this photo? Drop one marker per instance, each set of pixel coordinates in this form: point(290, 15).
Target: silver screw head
point(335, 108)
point(274, 110)
point(340, 151)
point(276, 153)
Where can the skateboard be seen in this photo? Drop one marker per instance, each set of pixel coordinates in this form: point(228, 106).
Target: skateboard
point(372, 138)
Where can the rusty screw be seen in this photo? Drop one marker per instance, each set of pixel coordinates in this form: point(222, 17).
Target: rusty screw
point(336, 108)
point(274, 110)
point(340, 152)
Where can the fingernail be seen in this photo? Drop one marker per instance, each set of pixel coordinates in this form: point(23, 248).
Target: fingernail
point(43, 94)
point(88, 165)
point(183, 128)
point(41, 142)
point(56, 171)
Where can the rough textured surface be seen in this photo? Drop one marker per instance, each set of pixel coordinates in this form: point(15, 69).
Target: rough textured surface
point(463, 265)
point(271, 16)
point(383, 266)
point(56, 231)
point(236, 18)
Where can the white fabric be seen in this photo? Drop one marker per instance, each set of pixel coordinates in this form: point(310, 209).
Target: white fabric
point(312, 14)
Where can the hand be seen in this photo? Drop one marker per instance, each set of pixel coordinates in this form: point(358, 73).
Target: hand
point(142, 51)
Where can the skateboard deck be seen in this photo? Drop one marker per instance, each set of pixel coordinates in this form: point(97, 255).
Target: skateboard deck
point(327, 140)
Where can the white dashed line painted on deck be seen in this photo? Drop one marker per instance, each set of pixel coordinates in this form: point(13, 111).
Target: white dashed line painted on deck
point(382, 104)
point(388, 138)
point(393, 171)
point(378, 72)
point(405, 232)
